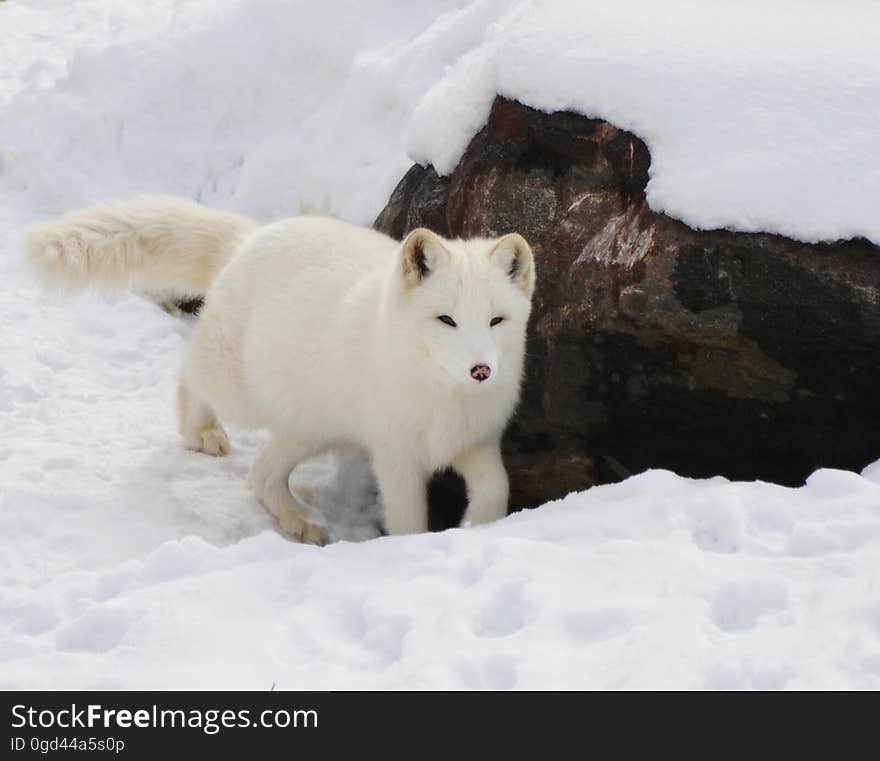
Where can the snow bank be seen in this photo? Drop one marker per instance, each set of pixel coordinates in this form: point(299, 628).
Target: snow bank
point(260, 106)
point(657, 582)
point(126, 561)
point(758, 117)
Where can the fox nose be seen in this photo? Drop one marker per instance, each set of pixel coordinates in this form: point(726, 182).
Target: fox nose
point(481, 372)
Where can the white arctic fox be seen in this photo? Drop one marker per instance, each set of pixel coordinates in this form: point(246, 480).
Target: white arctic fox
point(329, 335)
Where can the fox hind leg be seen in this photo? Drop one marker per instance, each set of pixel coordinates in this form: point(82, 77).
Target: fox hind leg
point(198, 425)
point(269, 480)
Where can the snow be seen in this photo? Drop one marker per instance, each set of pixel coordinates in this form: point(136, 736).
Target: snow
point(128, 562)
point(758, 117)
point(655, 582)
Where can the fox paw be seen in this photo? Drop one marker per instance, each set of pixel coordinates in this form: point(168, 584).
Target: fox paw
point(212, 441)
point(301, 530)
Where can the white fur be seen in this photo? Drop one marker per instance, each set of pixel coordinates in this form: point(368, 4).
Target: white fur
point(149, 243)
point(327, 334)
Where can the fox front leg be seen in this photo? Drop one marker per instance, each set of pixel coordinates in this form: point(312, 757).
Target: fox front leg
point(486, 479)
point(404, 489)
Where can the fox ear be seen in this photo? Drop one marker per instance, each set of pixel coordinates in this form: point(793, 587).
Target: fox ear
point(514, 256)
point(422, 252)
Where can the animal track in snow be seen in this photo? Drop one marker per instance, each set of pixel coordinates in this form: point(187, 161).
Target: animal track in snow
point(736, 607)
point(719, 529)
point(508, 611)
point(59, 463)
point(495, 672)
point(597, 624)
point(35, 617)
point(96, 631)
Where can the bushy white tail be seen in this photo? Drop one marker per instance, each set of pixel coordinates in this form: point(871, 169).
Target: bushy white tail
point(162, 244)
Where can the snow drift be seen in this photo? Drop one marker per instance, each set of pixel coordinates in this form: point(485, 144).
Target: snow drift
point(757, 117)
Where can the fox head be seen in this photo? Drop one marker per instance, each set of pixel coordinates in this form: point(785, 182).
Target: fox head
point(466, 304)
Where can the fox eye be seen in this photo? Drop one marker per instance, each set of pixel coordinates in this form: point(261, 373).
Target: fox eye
point(445, 318)
point(495, 321)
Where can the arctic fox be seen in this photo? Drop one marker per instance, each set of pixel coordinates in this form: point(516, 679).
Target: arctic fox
point(330, 335)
